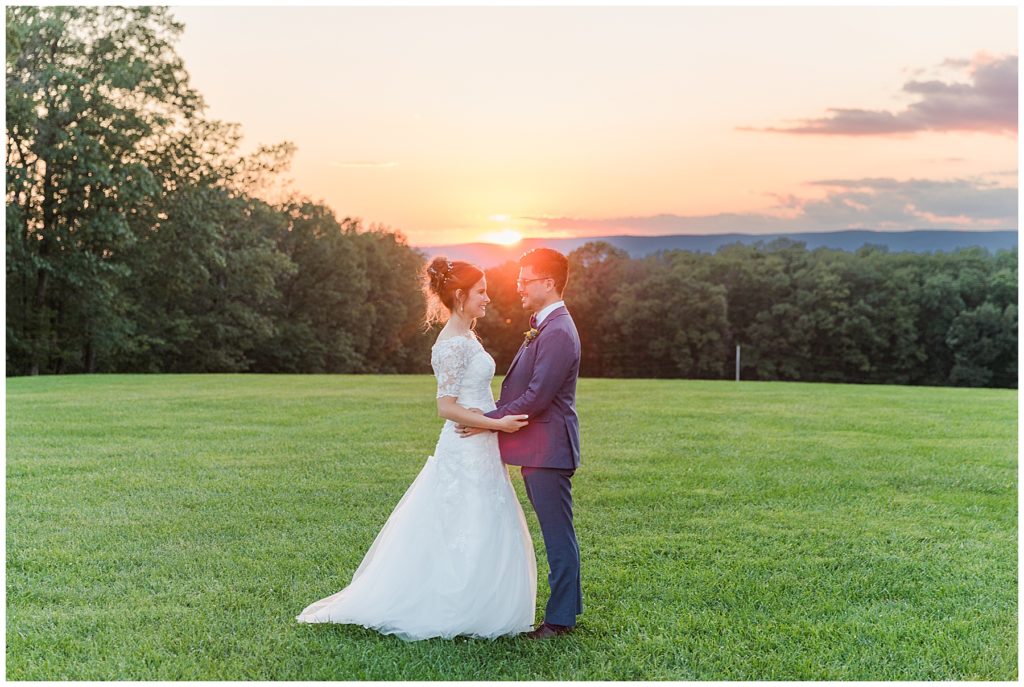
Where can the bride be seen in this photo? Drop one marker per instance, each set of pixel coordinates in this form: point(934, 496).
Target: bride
point(455, 557)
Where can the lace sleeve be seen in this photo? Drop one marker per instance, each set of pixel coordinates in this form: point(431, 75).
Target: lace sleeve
point(449, 360)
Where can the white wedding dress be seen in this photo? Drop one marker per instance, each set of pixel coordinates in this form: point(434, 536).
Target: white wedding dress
point(455, 557)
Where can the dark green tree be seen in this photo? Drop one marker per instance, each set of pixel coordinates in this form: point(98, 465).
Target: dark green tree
point(203, 272)
point(596, 272)
point(90, 92)
point(979, 338)
point(390, 319)
point(670, 323)
point(318, 313)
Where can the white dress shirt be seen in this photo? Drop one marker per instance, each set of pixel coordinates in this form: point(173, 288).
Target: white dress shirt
point(547, 311)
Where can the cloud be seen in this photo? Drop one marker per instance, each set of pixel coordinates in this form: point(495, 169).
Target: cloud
point(663, 224)
point(873, 203)
point(987, 104)
point(364, 165)
point(964, 203)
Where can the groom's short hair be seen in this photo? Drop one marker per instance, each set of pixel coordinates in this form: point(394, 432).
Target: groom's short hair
point(547, 262)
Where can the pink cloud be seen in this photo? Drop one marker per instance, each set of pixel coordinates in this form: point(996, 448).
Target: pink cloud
point(987, 104)
point(872, 203)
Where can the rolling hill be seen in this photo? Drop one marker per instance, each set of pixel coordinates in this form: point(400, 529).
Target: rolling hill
point(920, 241)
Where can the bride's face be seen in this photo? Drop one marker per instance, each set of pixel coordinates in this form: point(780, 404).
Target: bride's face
point(477, 300)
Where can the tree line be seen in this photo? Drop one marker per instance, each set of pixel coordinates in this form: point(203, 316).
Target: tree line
point(139, 239)
point(826, 315)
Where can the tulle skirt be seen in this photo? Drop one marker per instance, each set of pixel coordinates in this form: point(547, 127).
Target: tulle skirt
point(454, 558)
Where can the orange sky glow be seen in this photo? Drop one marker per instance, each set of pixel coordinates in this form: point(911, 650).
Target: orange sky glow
point(469, 123)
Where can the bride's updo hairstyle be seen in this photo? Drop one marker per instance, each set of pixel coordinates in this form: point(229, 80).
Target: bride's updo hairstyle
point(441, 280)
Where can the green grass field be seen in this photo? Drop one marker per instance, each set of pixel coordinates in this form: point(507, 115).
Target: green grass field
point(170, 528)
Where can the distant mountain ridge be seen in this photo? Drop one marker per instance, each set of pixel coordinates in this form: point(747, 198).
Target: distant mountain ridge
point(917, 241)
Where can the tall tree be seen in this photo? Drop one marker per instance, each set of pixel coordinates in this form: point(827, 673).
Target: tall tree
point(670, 323)
point(90, 90)
point(391, 317)
point(320, 327)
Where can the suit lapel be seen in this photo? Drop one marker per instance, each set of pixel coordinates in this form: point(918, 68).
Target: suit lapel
point(557, 312)
point(519, 353)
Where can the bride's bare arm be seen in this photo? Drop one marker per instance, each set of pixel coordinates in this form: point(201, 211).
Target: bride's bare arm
point(450, 410)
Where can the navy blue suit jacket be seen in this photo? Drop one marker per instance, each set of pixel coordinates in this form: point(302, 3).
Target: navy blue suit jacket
point(541, 383)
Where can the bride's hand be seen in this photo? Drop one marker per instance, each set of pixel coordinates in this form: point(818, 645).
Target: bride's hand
point(465, 432)
point(513, 423)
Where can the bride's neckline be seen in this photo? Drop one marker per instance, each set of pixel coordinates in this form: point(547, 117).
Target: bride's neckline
point(471, 335)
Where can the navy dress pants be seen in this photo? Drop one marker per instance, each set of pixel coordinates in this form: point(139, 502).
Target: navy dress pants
point(550, 493)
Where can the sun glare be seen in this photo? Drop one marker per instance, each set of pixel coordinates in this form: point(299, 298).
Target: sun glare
point(505, 238)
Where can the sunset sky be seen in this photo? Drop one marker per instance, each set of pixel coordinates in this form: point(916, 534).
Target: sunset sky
point(457, 124)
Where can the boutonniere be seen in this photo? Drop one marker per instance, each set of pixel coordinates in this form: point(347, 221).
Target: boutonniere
point(531, 335)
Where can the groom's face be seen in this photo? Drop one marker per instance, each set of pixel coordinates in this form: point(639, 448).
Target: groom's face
point(533, 289)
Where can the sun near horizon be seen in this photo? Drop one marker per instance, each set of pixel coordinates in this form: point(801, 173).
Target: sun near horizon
point(507, 237)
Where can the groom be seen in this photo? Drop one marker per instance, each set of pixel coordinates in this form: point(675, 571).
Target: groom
point(541, 383)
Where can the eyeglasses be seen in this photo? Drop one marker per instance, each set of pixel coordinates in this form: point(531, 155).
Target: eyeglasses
point(520, 283)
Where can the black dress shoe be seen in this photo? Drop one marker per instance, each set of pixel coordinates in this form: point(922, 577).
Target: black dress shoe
point(547, 630)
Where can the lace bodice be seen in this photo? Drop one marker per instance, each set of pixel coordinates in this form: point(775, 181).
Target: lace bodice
point(464, 369)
